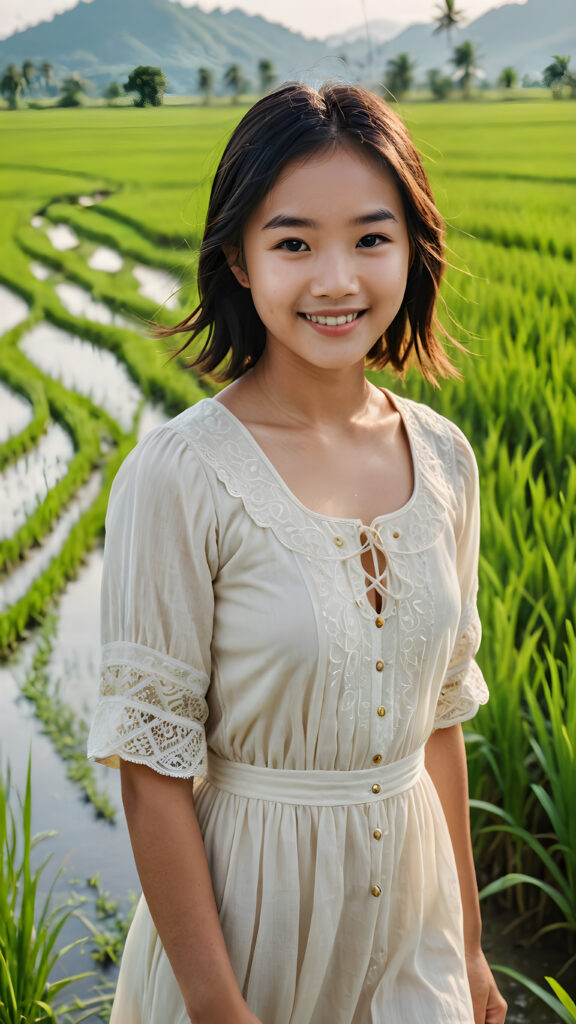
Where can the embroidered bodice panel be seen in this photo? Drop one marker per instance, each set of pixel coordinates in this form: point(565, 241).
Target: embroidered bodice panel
point(298, 658)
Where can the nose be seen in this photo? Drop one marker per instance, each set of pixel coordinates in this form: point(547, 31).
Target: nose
point(334, 276)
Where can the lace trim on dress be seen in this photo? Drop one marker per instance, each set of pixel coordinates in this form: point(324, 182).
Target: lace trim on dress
point(464, 687)
point(244, 470)
point(151, 710)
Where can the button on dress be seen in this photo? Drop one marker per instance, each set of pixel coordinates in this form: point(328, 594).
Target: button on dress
point(240, 646)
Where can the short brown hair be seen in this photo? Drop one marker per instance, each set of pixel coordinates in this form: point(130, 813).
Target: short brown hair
point(289, 123)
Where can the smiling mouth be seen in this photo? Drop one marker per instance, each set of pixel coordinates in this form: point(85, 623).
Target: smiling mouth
point(333, 321)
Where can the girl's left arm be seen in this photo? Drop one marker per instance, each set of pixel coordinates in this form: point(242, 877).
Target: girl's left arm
point(446, 765)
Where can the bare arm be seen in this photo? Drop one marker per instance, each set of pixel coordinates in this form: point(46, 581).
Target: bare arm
point(446, 765)
point(171, 862)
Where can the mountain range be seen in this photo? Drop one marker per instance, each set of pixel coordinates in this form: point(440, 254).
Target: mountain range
point(105, 39)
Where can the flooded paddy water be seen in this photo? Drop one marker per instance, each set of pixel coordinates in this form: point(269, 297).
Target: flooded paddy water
point(25, 484)
point(157, 285)
point(62, 236)
point(41, 271)
point(16, 585)
point(106, 259)
point(79, 302)
point(86, 368)
point(16, 413)
point(13, 309)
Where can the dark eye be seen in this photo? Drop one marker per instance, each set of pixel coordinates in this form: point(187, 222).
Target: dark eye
point(292, 245)
point(370, 241)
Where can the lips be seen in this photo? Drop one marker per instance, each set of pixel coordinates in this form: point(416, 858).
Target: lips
point(334, 319)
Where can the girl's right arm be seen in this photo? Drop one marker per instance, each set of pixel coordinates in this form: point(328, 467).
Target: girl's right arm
point(173, 869)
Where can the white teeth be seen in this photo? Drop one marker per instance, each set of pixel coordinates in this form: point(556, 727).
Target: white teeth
point(332, 321)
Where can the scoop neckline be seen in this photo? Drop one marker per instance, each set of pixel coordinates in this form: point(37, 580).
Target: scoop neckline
point(352, 521)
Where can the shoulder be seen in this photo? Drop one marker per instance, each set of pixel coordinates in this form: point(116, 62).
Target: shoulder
point(164, 462)
point(444, 437)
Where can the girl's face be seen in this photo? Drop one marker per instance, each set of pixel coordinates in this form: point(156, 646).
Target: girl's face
point(326, 257)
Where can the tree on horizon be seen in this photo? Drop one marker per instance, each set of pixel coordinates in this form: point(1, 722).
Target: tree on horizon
point(508, 78)
point(149, 84)
point(557, 74)
point(112, 91)
point(465, 59)
point(47, 72)
point(206, 83)
point(267, 75)
point(11, 86)
point(28, 72)
point(234, 81)
point(71, 91)
point(447, 19)
point(399, 76)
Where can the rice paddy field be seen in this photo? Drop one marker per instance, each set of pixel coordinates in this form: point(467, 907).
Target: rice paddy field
point(100, 214)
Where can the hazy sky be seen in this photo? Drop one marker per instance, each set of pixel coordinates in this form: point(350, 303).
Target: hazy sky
point(311, 17)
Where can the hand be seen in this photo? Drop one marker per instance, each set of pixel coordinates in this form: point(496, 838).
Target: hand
point(489, 1006)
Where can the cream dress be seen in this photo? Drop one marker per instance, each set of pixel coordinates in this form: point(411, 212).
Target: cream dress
point(239, 645)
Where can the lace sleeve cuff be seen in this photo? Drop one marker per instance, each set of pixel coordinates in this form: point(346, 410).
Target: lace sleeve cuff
point(151, 710)
point(464, 687)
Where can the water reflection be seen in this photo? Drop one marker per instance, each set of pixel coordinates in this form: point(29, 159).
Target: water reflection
point(62, 236)
point(83, 367)
point(16, 413)
point(25, 484)
point(40, 270)
point(79, 302)
point(104, 258)
point(13, 309)
point(17, 584)
point(157, 285)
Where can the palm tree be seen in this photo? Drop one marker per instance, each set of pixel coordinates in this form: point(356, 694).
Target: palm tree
point(11, 85)
point(206, 83)
point(399, 75)
point(556, 75)
point(28, 72)
point(47, 72)
point(465, 58)
point(508, 78)
point(447, 19)
point(234, 80)
point(267, 75)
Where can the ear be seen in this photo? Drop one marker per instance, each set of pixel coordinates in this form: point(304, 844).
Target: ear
point(235, 262)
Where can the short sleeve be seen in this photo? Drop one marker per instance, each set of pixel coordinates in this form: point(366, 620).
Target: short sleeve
point(464, 687)
point(160, 558)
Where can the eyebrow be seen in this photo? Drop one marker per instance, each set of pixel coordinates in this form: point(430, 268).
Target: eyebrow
point(282, 220)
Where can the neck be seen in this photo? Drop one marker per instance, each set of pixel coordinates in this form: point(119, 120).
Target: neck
point(309, 395)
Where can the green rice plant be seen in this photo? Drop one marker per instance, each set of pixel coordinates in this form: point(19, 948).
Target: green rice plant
point(19, 444)
point(30, 610)
point(66, 729)
point(563, 1006)
point(566, 1000)
point(29, 929)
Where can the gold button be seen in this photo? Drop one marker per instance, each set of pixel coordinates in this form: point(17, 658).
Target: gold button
point(377, 833)
point(379, 666)
point(377, 758)
point(379, 622)
point(381, 711)
point(396, 534)
point(376, 890)
point(376, 787)
point(338, 542)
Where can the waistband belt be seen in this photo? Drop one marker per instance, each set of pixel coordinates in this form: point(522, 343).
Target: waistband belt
point(320, 788)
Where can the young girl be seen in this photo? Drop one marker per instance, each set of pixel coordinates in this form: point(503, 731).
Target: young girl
point(289, 610)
